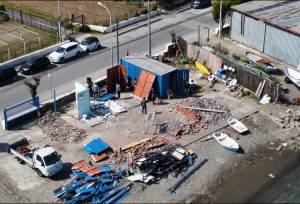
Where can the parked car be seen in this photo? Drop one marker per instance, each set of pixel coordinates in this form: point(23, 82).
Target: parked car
point(34, 64)
point(7, 74)
point(90, 43)
point(64, 52)
point(197, 4)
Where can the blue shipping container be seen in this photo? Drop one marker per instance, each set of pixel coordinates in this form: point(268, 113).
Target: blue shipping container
point(166, 76)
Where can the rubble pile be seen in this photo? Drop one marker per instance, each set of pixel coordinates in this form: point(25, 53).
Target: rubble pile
point(58, 129)
point(199, 119)
point(209, 103)
point(131, 155)
point(290, 119)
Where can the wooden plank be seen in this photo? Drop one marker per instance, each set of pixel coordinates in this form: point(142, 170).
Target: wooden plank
point(204, 109)
point(136, 143)
point(261, 89)
point(258, 89)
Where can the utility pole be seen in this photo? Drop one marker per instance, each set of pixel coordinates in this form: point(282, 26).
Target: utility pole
point(199, 35)
point(118, 48)
point(220, 19)
point(58, 23)
point(149, 26)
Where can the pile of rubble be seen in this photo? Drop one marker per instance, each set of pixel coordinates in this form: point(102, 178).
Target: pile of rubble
point(58, 129)
point(290, 119)
point(130, 155)
point(199, 119)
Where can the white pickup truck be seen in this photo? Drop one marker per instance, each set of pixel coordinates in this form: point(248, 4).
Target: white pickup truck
point(46, 161)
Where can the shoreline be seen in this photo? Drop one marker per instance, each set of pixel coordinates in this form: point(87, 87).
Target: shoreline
point(247, 180)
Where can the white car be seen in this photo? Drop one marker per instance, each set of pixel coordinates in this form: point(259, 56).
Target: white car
point(89, 44)
point(64, 52)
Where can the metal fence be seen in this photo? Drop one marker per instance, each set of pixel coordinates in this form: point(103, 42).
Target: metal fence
point(31, 20)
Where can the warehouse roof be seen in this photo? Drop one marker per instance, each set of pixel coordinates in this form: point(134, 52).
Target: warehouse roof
point(149, 64)
point(285, 14)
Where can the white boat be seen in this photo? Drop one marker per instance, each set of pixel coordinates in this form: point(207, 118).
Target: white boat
point(237, 125)
point(293, 75)
point(226, 141)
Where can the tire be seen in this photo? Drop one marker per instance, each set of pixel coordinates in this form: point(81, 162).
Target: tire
point(62, 60)
point(39, 173)
point(98, 47)
point(77, 54)
point(87, 51)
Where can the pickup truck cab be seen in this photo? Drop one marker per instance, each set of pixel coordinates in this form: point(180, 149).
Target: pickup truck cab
point(46, 161)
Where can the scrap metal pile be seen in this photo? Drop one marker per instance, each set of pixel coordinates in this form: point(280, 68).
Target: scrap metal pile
point(58, 129)
point(93, 184)
point(155, 165)
point(200, 113)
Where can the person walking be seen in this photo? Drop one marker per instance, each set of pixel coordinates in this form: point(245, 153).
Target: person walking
point(118, 89)
point(144, 105)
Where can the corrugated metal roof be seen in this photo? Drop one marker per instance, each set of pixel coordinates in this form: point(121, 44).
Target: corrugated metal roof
point(285, 14)
point(149, 64)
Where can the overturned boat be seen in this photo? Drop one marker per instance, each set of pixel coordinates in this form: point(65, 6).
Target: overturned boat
point(225, 141)
point(237, 125)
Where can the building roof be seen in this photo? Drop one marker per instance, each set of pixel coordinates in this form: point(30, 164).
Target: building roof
point(284, 14)
point(149, 64)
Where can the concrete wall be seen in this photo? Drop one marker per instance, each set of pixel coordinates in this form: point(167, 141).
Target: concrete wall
point(266, 38)
point(20, 60)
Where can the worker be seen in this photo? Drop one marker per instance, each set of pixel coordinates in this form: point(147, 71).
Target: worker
point(96, 90)
point(144, 105)
point(90, 85)
point(118, 89)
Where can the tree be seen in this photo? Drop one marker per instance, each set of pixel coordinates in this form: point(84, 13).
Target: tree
point(226, 4)
point(32, 85)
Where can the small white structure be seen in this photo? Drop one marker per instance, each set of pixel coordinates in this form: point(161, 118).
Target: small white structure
point(82, 100)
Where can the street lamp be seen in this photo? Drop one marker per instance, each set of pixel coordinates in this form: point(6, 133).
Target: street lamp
point(149, 29)
point(111, 36)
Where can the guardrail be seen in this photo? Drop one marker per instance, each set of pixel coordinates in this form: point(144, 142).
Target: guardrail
point(20, 110)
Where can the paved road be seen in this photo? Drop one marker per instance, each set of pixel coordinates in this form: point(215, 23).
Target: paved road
point(64, 76)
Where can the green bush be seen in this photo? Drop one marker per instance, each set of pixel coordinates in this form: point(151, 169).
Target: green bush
point(84, 29)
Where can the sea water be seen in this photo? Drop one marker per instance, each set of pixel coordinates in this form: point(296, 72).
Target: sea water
point(283, 190)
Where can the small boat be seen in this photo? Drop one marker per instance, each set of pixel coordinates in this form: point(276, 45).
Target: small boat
point(226, 141)
point(293, 75)
point(237, 125)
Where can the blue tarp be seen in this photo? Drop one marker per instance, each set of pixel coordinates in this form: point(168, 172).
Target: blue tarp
point(105, 97)
point(96, 146)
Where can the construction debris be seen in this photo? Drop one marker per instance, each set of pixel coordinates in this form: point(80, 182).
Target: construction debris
point(159, 164)
point(92, 184)
point(58, 129)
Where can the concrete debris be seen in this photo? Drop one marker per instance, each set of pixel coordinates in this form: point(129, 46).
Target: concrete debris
point(58, 129)
point(199, 119)
point(290, 119)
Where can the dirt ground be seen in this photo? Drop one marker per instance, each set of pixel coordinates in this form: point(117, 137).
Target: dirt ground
point(11, 36)
point(93, 14)
point(25, 184)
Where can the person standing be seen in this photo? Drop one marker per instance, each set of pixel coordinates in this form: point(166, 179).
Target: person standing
point(90, 85)
point(118, 89)
point(96, 90)
point(144, 105)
